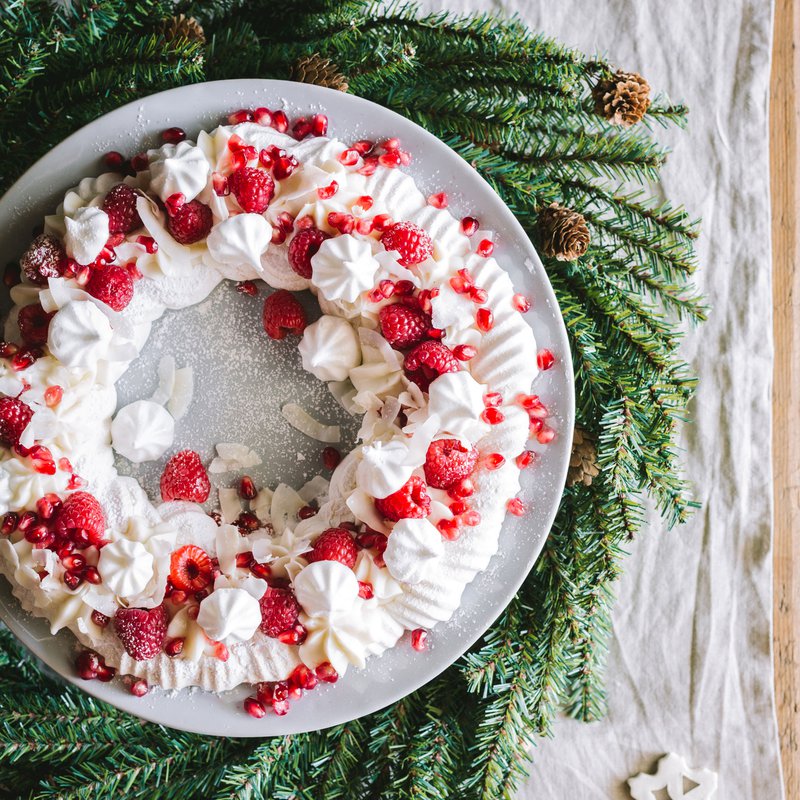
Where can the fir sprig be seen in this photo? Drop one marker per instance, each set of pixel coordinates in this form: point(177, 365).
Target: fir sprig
point(517, 106)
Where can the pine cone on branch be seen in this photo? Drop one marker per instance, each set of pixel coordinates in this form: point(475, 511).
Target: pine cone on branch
point(563, 233)
point(623, 99)
point(320, 71)
point(183, 27)
point(583, 461)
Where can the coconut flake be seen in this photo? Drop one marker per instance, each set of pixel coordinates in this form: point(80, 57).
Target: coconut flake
point(260, 504)
point(300, 419)
point(229, 504)
point(373, 339)
point(166, 380)
point(232, 457)
point(182, 393)
point(286, 502)
point(315, 489)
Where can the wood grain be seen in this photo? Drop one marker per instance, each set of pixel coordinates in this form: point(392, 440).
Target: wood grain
point(785, 182)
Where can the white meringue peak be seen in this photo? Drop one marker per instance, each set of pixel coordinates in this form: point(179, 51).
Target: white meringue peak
point(325, 587)
point(330, 348)
point(413, 550)
point(229, 615)
point(126, 567)
point(86, 234)
point(344, 267)
point(239, 241)
point(142, 431)
point(180, 167)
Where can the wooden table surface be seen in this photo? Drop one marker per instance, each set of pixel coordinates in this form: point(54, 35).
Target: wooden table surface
point(784, 140)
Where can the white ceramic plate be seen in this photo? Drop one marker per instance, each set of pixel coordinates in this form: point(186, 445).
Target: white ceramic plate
point(435, 167)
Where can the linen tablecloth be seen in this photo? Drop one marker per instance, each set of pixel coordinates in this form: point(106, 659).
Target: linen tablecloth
point(690, 666)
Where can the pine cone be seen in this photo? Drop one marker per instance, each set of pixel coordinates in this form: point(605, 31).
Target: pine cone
point(583, 461)
point(622, 99)
point(319, 70)
point(563, 233)
point(182, 27)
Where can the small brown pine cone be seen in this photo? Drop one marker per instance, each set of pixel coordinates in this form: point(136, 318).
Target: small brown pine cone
point(583, 461)
point(182, 27)
point(563, 233)
point(623, 99)
point(319, 70)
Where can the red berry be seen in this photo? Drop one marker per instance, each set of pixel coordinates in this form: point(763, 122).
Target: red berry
point(247, 287)
point(142, 631)
point(283, 314)
point(419, 639)
point(139, 688)
point(464, 352)
point(484, 320)
point(34, 324)
point(113, 159)
point(247, 489)
point(279, 610)
point(173, 135)
point(190, 568)
point(485, 248)
point(304, 246)
point(191, 223)
point(45, 258)
point(120, 205)
point(410, 501)
point(403, 326)
point(521, 303)
point(492, 416)
point(516, 507)
point(112, 285)
point(447, 462)
point(325, 672)
point(494, 461)
point(410, 242)
point(334, 544)
point(469, 226)
point(254, 708)
point(81, 520)
point(87, 665)
point(545, 359)
point(253, 189)
point(185, 478)
point(331, 457)
point(427, 361)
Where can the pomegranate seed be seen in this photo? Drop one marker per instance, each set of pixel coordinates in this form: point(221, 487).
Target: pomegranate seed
point(545, 435)
point(464, 488)
point(220, 184)
point(291, 636)
point(10, 520)
point(494, 461)
point(365, 590)
point(492, 416)
point(344, 223)
point(301, 128)
point(262, 116)
point(74, 562)
point(349, 157)
point(72, 579)
point(247, 489)
point(42, 460)
point(174, 203)
point(469, 225)
point(113, 159)
point(105, 673)
point(304, 677)
point(87, 664)
point(363, 146)
point(173, 135)
point(484, 319)
point(386, 288)
point(493, 399)
point(278, 236)
point(405, 157)
point(521, 303)
point(240, 116)
point(419, 639)
point(265, 692)
point(485, 248)
point(364, 202)
point(91, 575)
point(247, 287)
point(12, 274)
point(326, 192)
point(148, 242)
point(101, 620)
point(326, 673)
point(8, 349)
point(174, 647)
point(478, 296)
point(306, 512)
point(139, 688)
point(438, 200)
point(545, 359)
point(525, 458)
point(248, 521)
point(46, 506)
point(464, 352)
point(254, 708)
point(516, 507)
point(382, 221)
point(281, 707)
point(36, 534)
point(391, 144)
point(458, 507)
point(53, 395)
point(449, 528)
point(458, 284)
point(319, 124)
point(471, 518)
point(390, 160)
point(178, 596)
point(284, 167)
point(244, 560)
point(369, 166)
point(27, 520)
point(140, 162)
point(24, 358)
point(83, 275)
point(304, 222)
point(285, 222)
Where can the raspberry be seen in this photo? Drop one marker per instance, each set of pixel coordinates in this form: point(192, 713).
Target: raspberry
point(253, 189)
point(185, 478)
point(303, 248)
point(447, 462)
point(279, 610)
point(427, 361)
point(191, 222)
point(283, 314)
point(410, 500)
point(190, 568)
point(14, 418)
point(141, 630)
point(81, 520)
point(45, 258)
point(34, 323)
point(410, 242)
point(403, 326)
point(334, 544)
point(113, 285)
point(120, 205)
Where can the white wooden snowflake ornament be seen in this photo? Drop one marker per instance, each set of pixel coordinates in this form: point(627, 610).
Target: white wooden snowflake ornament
point(680, 781)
